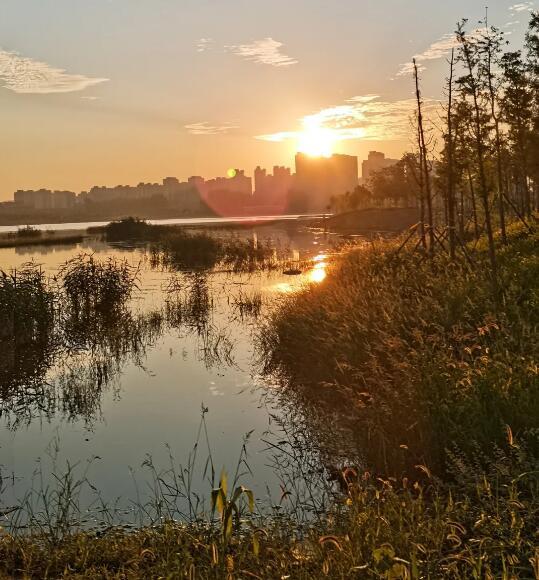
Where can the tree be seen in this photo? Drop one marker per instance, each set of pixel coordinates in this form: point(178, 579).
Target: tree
point(472, 87)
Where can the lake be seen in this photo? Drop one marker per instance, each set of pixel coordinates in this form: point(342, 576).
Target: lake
point(207, 221)
point(148, 402)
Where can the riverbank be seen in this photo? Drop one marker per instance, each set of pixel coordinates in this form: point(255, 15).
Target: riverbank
point(193, 221)
point(422, 361)
point(41, 238)
point(364, 221)
point(433, 379)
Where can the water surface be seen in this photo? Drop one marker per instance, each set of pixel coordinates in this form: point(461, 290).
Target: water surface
point(156, 396)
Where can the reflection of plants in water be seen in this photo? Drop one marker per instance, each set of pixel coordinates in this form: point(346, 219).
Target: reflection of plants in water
point(61, 344)
point(248, 304)
point(64, 342)
point(181, 251)
point(96, 349)
point(189, 307)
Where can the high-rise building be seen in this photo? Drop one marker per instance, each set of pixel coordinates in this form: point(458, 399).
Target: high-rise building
point(375, 162)
point(320, 178)
point(271, 190)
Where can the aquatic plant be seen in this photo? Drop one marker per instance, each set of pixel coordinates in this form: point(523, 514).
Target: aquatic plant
point(27, 327)
point(131, 228)
point(90, 284)
point(248, 304)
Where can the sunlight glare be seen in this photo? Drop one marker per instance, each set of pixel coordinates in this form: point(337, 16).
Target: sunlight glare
point(318, 273)
point(316, 141)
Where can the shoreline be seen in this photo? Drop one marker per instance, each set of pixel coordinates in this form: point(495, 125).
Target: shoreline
point(195, 221)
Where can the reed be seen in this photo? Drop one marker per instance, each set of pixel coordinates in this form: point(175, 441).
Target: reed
point(416, 357)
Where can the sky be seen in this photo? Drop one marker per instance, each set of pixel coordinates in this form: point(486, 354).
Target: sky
point(108, 92)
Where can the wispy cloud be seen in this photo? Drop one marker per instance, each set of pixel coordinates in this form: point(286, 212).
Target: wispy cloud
point(437, 50)
point(204, 44)
point(366, 117)
point(205, 128)
point(21, 74)
point(264, 51)
point(521, 7)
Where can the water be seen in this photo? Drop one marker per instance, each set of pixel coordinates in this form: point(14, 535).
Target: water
point(175, 221)
point(156, 399)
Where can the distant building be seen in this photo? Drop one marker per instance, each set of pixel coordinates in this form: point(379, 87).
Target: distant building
point(272, 190)
point(320, 178)
point(375, 162)
point(63, 199)
point(44, 199)
point(228, 195)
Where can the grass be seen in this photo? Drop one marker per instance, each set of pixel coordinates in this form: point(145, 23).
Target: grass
point(417, 358)
point(27, 327)
point(90, 284)
point(380, 529)
point(431, 380)
point(178, 249)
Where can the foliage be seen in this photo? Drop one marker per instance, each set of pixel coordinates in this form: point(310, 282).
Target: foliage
point(90, 284)
point(417, 357)
point(380, 529)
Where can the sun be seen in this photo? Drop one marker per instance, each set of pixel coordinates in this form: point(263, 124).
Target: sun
point(316, 141)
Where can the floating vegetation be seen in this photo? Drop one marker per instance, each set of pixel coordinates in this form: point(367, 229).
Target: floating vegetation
point(179, 250)
point(130, 229)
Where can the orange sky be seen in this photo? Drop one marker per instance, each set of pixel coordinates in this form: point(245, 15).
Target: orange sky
point(120, 91)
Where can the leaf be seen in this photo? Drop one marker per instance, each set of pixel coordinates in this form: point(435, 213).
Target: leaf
point(331, 540)
point(250, 498)
point(218, 500)
point(227, 524)
point(256, 545)
point(223, 483)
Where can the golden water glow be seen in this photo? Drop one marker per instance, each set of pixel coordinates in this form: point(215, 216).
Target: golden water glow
point(318, 273)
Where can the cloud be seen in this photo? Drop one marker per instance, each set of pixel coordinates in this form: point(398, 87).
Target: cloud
point(204, 44)
point(204, 128)
point(90, 98)
point(365, 117)
point(437, 50)
point(522, 7)
point(265, 51)
point(24, 75)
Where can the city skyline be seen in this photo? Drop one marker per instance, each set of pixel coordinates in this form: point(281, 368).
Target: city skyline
point(311, 187)
point(374, 161)
point(195, 89)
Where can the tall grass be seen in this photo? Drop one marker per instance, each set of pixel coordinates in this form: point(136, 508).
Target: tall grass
point(379, 528)
point(416, 358)
point(90, 284)
point(27, 327)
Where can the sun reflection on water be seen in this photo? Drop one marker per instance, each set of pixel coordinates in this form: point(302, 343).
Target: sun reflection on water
point(318, 273)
